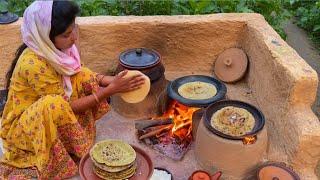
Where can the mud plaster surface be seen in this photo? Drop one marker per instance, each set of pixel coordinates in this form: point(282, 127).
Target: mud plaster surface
point(282, 83)
point(115, 126)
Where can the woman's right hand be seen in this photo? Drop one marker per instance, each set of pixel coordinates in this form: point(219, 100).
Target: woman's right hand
point(121, 84)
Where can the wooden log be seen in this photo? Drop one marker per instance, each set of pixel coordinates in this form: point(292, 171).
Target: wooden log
point(153, 128)
point(155, 132)
point(142, 124)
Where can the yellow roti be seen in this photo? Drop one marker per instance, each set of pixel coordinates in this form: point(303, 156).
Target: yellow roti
point(125, 174)
point(113, 153)
point(197, 90)
point(137, 95)
point(111, 169)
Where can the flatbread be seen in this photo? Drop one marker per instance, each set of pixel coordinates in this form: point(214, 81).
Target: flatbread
point(233, 121)
point(197, 90)
point(111, 169)
point(125, 174)
point(137, 95)
point(113, 153)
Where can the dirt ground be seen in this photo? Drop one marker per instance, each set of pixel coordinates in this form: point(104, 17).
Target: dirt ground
point(298, 39)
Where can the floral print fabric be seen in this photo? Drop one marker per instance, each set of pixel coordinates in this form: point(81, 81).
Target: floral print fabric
point(39, 129)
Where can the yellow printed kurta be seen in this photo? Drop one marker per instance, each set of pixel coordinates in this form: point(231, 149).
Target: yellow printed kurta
point(39, 130)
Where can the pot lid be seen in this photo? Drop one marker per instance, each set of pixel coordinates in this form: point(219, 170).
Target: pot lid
point(7, 17)
point(256, 113)
point(231, 65)
point(200, 175)
point(276, 171)
point(139, 58)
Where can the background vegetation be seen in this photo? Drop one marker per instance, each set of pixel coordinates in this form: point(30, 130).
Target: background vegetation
point(307, 13)
point(276, 12)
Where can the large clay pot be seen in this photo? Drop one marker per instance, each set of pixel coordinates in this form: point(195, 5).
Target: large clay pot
point(230, 155)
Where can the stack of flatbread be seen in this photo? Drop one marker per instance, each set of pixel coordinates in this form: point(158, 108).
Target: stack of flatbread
point(113, 159)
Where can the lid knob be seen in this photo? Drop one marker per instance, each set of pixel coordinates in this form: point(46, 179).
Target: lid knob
point(139, 58)
point(201, 176)
point(228, 62)
point(139, 51)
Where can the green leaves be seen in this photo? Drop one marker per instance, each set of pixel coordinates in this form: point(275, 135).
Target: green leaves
point(308, 17)
point(316, 28)
point(3, 6)
point(272, 10)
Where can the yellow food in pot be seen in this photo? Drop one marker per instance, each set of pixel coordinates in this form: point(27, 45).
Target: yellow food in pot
point(233, 121)
point(197, 90)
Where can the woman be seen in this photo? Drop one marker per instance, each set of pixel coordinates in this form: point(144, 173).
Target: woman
point(53, 102)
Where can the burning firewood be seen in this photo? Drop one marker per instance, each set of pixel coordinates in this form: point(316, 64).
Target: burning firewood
point(170, 133)
point(155, 132)
point(145, 123)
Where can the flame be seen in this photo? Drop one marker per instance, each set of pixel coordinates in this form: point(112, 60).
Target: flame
point(249, 140)
point(182, 119)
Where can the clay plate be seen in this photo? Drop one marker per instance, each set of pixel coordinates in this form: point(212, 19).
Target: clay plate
point(144, 167)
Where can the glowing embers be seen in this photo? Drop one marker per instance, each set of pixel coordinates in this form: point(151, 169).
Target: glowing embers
point(171, 134)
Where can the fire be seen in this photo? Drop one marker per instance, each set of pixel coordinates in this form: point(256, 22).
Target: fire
point(182, 119)
point(249, 140)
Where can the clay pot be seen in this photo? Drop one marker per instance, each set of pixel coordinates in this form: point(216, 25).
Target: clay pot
point(232, 157)
point(276, 171)
point(147, 61)
point(200, 175)
point(203, 175)
point(196, 118)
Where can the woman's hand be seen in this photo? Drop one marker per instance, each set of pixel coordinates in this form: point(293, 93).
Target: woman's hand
point(121, 84)
point(104, 80)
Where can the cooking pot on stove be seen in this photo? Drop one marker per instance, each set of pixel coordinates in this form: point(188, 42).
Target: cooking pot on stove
point(233, 155)
point(148, 61)
point(173, 93)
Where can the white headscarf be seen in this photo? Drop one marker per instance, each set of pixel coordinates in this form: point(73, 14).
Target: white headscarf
point(35, 32)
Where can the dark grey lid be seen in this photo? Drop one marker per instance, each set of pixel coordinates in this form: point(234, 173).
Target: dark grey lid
point(139, 58)
point(7, 17)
